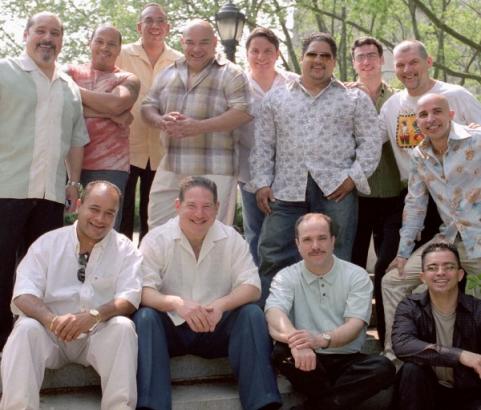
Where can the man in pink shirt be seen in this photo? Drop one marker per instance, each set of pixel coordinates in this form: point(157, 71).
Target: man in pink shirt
point(108, 95)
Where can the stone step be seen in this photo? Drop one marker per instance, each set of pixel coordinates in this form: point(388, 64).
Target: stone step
point(219, 395)
point(183, 369)
point(201, 396)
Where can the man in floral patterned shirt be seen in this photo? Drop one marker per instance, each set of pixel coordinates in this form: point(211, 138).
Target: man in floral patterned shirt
point(446, 165)
point(316, 143)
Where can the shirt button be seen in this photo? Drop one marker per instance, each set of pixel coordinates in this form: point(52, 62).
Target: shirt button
point(322, 285)
point(323, 294)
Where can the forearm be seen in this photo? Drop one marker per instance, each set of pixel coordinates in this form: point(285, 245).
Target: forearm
point(152, 116)
point(280, 327)
point(109, 103)
point(156, 300)
point(241, 295)
point(74, 163)
point(345, 333)
point(116, 307)
point(35, 308)
point(228, 121)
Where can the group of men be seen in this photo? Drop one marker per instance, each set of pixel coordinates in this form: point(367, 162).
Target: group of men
point(318, 143)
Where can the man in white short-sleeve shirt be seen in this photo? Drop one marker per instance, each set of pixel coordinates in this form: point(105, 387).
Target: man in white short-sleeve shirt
point(72, 292)
point(199, 285)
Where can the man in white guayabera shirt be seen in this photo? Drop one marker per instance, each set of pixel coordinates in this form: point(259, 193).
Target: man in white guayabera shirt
point(72, 292)
point(42, 128)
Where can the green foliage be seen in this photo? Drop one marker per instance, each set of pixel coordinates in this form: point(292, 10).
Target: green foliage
point(445, 26)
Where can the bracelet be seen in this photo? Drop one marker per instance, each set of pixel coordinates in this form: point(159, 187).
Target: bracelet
point(77, 185)
point(51, 323)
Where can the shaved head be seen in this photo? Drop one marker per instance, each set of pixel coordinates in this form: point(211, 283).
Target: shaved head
point(198, 43)
point(198, 24)
point(430, 98)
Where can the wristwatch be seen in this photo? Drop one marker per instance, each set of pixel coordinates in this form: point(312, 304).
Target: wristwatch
point(327, 337)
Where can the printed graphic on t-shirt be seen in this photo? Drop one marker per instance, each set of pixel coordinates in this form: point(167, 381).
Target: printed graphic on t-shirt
point(408, 134)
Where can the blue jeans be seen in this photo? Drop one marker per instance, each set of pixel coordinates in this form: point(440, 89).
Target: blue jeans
point(252, 218)
point(241, 335)
point(277, 246)
point(118, 178)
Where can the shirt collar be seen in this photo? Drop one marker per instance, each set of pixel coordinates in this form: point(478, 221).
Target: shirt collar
point(101, 244)
point(310, 277)
point(26, 63)
point(214, 233)
point(218, 59)
point(464, 302)
point(457, 132)
point(333, 83)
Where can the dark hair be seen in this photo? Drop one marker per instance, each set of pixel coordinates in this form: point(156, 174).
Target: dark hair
point(365, 41)
point(31, 19)
point(196, 181)
point(106, 25)
point(438, 247)
point(305, 217)
point(91, 185)
point(317, 36)
point(263, 32)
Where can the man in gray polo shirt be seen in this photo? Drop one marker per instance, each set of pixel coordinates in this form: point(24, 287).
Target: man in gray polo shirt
point(317, 311)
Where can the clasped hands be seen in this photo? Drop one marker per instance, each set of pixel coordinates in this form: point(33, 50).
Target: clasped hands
point(71, 326)
point(178, 125)
point(200, 318)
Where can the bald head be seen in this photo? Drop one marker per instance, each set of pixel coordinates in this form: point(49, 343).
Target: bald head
point(433, 116)
point(198, 43)
point(198, 25)
point(432, 98)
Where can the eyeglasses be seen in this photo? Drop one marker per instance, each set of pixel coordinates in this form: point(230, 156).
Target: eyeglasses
point(150, 21)
point(83, 259)
point(322, 56)
point(369, 57)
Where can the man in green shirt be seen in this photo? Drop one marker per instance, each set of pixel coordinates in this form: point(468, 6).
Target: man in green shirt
point(380, 212)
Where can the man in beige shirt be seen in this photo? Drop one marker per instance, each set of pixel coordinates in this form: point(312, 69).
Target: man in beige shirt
point(145, 58)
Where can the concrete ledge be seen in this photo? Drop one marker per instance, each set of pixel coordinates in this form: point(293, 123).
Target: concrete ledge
point(200, 396)
point(183, 369)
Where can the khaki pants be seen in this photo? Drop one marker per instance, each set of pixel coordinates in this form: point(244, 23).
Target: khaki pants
point(165, 190)
point(111, 349)
point(395, 288)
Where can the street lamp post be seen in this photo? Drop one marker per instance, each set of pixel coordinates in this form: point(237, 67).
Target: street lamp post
point(230, 24)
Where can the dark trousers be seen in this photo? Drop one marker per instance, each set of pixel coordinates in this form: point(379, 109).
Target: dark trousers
point(417, 388)
point(339, 381)
point(380, 218)
point(241, 335)
point(23, 221)
point(146, 177)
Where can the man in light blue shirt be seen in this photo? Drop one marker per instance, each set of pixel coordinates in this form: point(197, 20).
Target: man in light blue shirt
point(317, 311)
